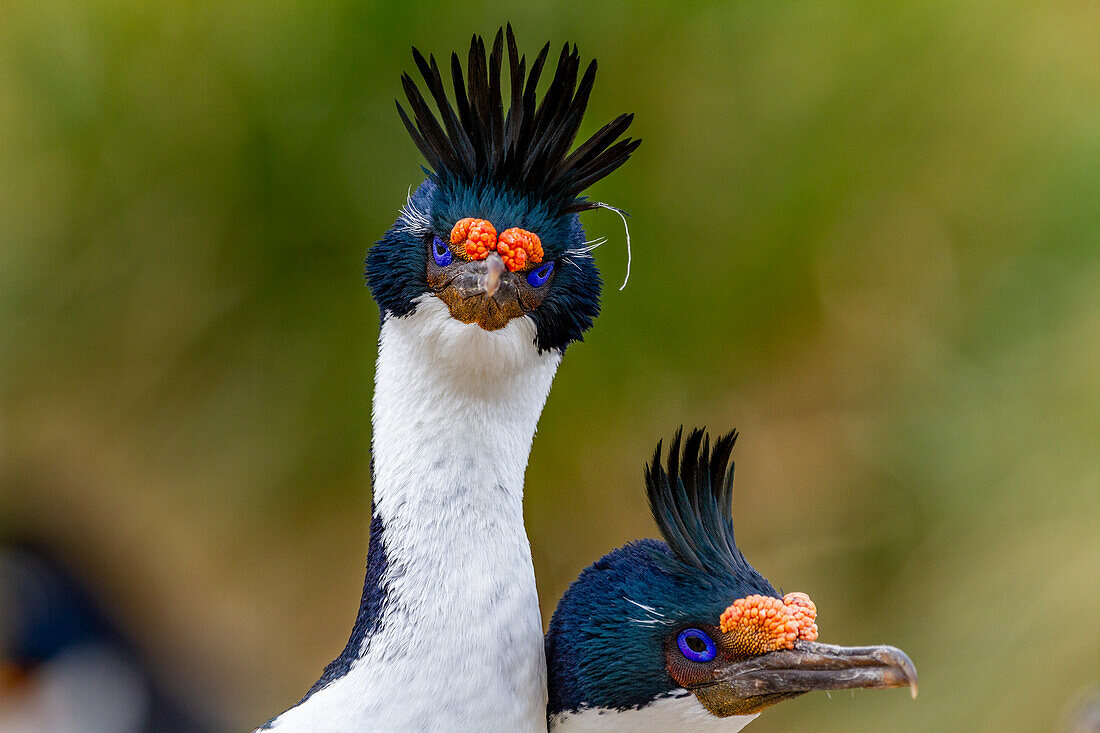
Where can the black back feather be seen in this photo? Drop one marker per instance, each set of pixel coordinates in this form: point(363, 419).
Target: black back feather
point(691, 498)
point(473, 142)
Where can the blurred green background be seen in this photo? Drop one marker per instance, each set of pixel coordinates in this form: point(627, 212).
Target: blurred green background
point(866, 234)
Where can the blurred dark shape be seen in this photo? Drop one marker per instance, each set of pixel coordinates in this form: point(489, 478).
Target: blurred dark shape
point(66, 666)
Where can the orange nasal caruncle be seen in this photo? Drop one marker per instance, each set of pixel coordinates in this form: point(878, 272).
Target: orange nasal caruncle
point(519, 248)
point(764, 624)
point(476, 238)
point(804, 612)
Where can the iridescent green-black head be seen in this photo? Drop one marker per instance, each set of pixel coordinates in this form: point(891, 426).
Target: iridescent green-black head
point(493, 232)
point(686, 630)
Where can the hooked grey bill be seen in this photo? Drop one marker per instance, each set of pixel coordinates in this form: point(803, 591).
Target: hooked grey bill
point(812, 666)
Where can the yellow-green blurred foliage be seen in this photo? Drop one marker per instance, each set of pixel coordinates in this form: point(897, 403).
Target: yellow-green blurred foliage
point(866, 234)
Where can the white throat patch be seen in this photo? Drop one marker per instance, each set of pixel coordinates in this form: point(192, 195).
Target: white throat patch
point(680, 711)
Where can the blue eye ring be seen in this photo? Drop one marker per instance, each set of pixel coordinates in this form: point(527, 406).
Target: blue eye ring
point(537, 278)
point(707, 654)
point(441, 252)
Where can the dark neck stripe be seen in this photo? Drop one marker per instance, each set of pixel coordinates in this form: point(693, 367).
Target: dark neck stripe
point(367, 621)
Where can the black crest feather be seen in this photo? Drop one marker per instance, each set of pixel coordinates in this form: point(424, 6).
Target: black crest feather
point(692, 499)
point(526, 150)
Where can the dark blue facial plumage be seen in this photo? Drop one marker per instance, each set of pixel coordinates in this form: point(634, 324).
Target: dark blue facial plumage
point(396, 263)
point(608, 636)
point(606, 643)
point(509, 158)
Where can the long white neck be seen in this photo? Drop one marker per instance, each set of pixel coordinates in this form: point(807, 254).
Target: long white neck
point(453, 636)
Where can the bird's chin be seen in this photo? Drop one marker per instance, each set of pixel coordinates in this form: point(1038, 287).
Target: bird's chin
point(722, 702)
point(482, 292)
point(751, 685)
point(467, 356)
point(490, 312)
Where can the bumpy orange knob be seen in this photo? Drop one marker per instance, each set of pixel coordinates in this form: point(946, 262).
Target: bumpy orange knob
point(762, 623)
point(804, 612)
point(766, 624)
point(519, 248)
point(476, 238)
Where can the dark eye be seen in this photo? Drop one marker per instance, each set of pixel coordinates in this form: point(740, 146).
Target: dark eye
point(537, 278)
point(442, 254)
point(696, 645)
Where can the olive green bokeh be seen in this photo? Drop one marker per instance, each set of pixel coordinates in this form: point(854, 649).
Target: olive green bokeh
point(867, 234)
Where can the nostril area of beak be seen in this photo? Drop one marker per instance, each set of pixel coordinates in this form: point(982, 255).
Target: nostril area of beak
point(494, 268)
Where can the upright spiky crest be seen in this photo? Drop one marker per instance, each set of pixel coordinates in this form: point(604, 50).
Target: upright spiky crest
point(691, 499)
point(527, 150)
